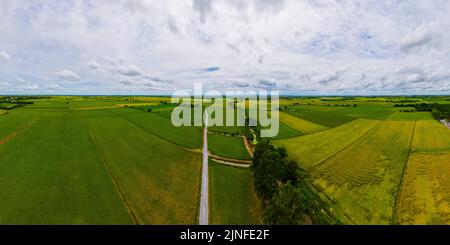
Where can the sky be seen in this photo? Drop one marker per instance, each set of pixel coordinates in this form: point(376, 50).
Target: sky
point(305, 47)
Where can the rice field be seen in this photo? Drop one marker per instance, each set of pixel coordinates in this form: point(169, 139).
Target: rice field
point(309, 150)
point(425, 192)
point(90, 160)
point(233, 199)
point(301, 125)
point(365, 176)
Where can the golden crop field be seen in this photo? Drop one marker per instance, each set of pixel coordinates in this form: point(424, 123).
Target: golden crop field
point(312, 149)
point(425, 192)
point(364, 177)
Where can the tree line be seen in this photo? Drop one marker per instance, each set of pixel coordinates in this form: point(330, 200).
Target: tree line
point(283, 187)
point(439, 111)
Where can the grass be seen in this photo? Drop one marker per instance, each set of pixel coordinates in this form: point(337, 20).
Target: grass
point(160, 180)
point(335, 115)
point(364, 177)
point(233, 199)
point(227, 146)
point(312, 149)
point(14, 120)
point(411, 116)
point(52, 174)
point(190, 137)
point(326, 116)
point(301, 125)
point(286, 131)
point(430, 135)
point(88, 160)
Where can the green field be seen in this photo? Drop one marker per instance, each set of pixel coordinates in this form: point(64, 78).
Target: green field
point(301, 125)
point(160, 180)
point(71, 160)
point(233, 199)
point(56, 177)
point(312, 149)
point(111, 160)
point(228, 146)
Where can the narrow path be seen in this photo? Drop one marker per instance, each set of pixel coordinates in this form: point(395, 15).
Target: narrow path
point(231, 163)
point(18, 131)
point(204, 199)
point(247, 146)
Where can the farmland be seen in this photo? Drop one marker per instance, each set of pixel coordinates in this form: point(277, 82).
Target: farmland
point(375, 164)
point(84, 160)
point(233, 198)
point(119, 160)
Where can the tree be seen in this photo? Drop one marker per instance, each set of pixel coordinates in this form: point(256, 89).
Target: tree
point(267, 174)
point(290, 169)
point(287, 207)
point(262, 147)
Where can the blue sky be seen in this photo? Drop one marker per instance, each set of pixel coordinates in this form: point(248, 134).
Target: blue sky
point(156, 47)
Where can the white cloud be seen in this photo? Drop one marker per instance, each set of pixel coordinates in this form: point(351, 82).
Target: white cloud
point(67, 75)
point(298, 46)
point(417, 38)
point(94, 65)
point(4, 56)
point(130, 70)
point(28, 88)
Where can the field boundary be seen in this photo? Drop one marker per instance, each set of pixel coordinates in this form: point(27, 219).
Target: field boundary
point(346, 146)
point(247, 146)
point(231, 164)
point(18, 131)
point(405, 168)
point(114, 180)
point(195, 150)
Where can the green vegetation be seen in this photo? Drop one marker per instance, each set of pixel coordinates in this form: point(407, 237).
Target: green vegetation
point(312, 149)
point(233, 199)
point(301, 125)
point(364, 177)
point(119, 160)
point(287, 196)
point(56, 177)
point(190, 137)
point(227, 146)
point(159, 180)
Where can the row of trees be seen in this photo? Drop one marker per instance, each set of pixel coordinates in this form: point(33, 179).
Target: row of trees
point(287, 196)
point(439, 111)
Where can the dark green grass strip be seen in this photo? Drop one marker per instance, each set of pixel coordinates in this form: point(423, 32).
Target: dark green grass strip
point(115, 181)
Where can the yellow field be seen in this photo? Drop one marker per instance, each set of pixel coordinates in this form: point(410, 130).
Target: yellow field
point(425, 194)
point(431, 135)
point(301, 125)
point(364, 177)
point(312, 149)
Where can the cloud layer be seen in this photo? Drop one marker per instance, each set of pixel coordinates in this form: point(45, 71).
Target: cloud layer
point(297, 47)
